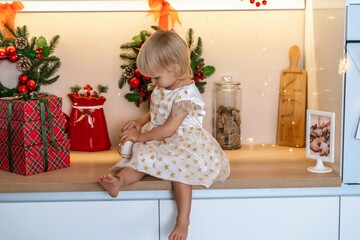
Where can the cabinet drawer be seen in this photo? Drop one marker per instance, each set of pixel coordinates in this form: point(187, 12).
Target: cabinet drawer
point(257, 218)
point(82, 220)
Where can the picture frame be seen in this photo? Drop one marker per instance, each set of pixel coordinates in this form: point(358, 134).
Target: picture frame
point(320, 139)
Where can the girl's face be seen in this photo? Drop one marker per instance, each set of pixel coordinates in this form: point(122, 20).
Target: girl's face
point(166, 80)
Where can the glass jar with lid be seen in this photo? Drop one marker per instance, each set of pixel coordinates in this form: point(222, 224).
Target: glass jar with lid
point(227, 118)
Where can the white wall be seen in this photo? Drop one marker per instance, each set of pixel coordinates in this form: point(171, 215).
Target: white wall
point(252, 46)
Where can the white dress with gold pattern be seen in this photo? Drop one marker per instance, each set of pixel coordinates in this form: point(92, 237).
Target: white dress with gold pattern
point(191, 155)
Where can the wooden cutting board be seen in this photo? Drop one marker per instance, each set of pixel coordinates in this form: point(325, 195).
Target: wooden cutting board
point(292, 103)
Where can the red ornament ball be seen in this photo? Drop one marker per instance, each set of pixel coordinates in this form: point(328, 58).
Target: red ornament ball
point(258, 4)
point(252, 1)
point(23, 78)
point(134, 82)
point(10, 50)
point(145, 78)
point(137, 73)
point(13, 58)
point(31, 84)
point(264, 2)
point(22, 89)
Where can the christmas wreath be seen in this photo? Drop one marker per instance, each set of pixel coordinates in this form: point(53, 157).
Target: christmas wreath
point(32, 58)
point(140, 86)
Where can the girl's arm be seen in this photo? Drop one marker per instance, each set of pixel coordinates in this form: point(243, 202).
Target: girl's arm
point(176, 117)
point(137, 124)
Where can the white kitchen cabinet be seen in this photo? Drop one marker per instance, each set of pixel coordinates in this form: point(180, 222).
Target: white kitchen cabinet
point(350, 218)
point(258, 218)
point(83, 220)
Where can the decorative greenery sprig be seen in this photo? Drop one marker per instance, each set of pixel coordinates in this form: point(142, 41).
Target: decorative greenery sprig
point(140, 86)
point(87, 90)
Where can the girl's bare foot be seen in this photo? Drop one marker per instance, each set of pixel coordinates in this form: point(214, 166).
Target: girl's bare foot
point(111, 184)
point(180, 231)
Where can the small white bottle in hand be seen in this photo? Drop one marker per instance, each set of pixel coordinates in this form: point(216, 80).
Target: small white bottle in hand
point(125, 150)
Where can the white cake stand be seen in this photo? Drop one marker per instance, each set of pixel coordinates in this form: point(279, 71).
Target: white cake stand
point(319, 167)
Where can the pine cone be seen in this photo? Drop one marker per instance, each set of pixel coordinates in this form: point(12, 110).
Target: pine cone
point(20, 43)
point(23, 64)
point(128, 72)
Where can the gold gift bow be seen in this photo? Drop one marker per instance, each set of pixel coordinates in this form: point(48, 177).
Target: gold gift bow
point(87, 114)
point(161, 10)
point(7, 16)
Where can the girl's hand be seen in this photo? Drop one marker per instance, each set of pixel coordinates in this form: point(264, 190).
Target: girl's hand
point(132, 124)
point(129, 135)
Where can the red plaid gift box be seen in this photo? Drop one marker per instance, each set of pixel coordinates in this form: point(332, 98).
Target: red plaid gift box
point(32, 135)
point(29, 133)
point(32, 160)
point(25, 111)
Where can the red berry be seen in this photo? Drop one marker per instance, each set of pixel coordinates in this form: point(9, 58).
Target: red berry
point(264, 2)
point(31, 84)
point(252, 1)
point(23, 78)
point(258, 4)
point(13, 58)
point(11, 50)
point(22, 89)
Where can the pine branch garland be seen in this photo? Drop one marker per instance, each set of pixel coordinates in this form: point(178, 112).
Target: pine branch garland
point(54, 42)
point(190, 37)
point(49, 81)
point(129, 57)
point(75, 88)
point(199, 47)
point(50, 67)
point(122, 81)
point(140, 93)
point(129, 45)
point(32, 42)
point(102, 88)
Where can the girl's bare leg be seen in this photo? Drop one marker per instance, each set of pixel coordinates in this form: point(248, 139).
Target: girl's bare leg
point(113, 184)
point(183, 197)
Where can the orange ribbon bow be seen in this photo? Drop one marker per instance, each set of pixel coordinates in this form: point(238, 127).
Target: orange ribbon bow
point(7, 16)
point(162, 9)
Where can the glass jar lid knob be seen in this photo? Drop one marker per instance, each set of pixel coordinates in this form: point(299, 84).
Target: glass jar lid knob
point(227, 78)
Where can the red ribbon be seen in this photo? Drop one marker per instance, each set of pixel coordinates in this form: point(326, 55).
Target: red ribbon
point(162, 10)
point(7, 16)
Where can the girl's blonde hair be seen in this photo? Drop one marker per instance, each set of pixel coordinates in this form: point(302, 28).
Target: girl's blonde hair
point(165, 51)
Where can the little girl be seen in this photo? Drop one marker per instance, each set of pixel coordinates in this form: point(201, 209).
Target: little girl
point(170, 142)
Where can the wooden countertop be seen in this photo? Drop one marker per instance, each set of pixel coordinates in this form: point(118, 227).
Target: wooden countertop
point(252, 166)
